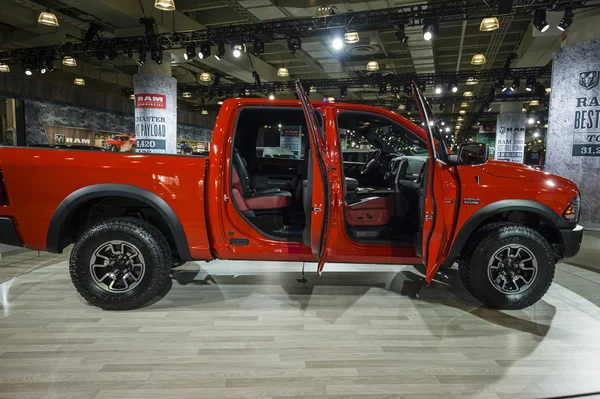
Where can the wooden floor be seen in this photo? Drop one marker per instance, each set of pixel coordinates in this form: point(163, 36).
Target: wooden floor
point(248, 329)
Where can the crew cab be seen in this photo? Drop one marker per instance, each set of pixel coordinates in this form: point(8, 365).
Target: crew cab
point(412, 201)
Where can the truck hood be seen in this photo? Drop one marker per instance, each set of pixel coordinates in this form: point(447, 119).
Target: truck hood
point(519, 171)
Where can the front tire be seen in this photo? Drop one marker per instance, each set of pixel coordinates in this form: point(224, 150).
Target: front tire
point(114, 148)
point(121, 264)
point(508, 267)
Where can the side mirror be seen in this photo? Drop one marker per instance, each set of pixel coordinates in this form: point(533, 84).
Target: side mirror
point(470, 154)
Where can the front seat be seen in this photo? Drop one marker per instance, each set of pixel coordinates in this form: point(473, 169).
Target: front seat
point(371, 211)
point(246, 197)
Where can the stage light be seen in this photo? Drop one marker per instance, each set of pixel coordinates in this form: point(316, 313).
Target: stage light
point(566, 20)
point(330, 99)
point(220, 51)
point(237, 49)
point(157, 55)
point(530, 83)
point(312, 89)
point(372, 66)
point(69, 61)
point(351, 37)
point(165, 5)
point(283, 72)
point(205, 50)
point(326, 11)
point(453, 87)
point(531, 121)
point(489, 24)
point(515, 84)
point(47, 18)
point(28, 71)
point(294, 44)
point(401, 35)
point(501, 85)
point(487, 107)
point(337, 43)
point(382, 89)
point(142, 58)
point(447, 129)
point(79, 81)
point(438, 89)
point(478, 59)
point(190, 52)
point(4, 67)
point(442, 108)
point(271, 96)
point(431, 30)
point(539, 20)
point(258, 47)
point(205, 77)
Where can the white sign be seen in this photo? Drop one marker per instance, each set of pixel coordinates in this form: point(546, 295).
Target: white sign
point(510, 137)
point(290, 138)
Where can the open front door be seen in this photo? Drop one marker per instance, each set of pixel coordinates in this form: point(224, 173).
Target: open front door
point(439, 195)
point(317, 193)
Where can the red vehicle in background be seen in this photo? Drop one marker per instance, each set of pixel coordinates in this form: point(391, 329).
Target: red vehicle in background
point(412, 202)
point(119, 143)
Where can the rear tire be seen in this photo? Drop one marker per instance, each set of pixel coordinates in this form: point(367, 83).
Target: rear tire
point(113, 148)
point(508, 267)
point(121, 264)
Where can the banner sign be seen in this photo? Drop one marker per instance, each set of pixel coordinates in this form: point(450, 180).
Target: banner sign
point(586, 118)
point(150, 101)
point(510, 137)
point(290, 139)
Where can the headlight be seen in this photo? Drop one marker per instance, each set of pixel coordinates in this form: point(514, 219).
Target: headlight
point(572, 212)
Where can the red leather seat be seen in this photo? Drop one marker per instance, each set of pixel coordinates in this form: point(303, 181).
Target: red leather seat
point(247, 198)
point(372, 211)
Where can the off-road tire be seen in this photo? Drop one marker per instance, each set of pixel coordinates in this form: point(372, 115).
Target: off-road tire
point(476, 255)
point(151, 243)
point(113, 148)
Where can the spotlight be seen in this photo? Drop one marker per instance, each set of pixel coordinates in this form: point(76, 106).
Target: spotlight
point(447, 129)
point(566, 20)
point(530, 83)
point(271, 96)
point(431, 30)
point(531, 120)
point(205, 50)
point(438, 89)
point(258, 47)
point(337, 43)
point(516, 83)
point(395, 90)
point(142, 58)
point(453, 87)
point(50, 64)
point(442, 108)
point(237, 48)
point(28, 71)
point(343, 91)
point(539, 20)
point(294, 44)
point(220, 51)
point(326, 11)
point(382, 89)
point(501, 85)
point(190, 52)
point(487, 107)
point(400, 35)
point(157, 55)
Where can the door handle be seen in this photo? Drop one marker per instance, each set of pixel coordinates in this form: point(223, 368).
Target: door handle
point(316, 210)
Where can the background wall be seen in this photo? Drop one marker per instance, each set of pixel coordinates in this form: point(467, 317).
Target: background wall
point(44, 113)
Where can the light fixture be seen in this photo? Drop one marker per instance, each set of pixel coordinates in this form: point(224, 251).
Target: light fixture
point(204, 112)
point(471, 82)
point(566, 20)
point(220, 51)
point(536, 134)
point(312, 89)
point(205, 77)
point(501, 85)
point(79, 81)
point(283, 72)
point(533, 103)
point(330, 99)
point(523, 109)
point(431, 30)
point(478, 59)
point(402, 107)
point(401, 35)
point(337, 43)
point(326, 11)
point(460, 119)
point(487, 107)
point(531, 121)
point(447, 129)
point(190, 52)
point(489, 24)
point(442, 108)
point(530, 83)
point(343, 91)
point(142, 58)
point(382, 89)
point(47, 18)
point(539, 20)
point(4, 67)
point(165, 5)
point(69, 61)
point(438, 89)
point(219, 102)
point(464, 104)
point(462, 112)
point(468, 94)
point(351, 37)
point(157, 55)
point(442, 123)
point(372, 66)
point(515, 84)
point(205, 50)
point(453, 87)
point(186, 94)
point(294, 44)
point(271, 96)
point(258, 47)
point(132, 96)
point(237, 49)
point(28, 71)
point(548, 90)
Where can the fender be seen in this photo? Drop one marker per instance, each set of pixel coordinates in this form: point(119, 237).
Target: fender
point(78, 197)
point(480, 216)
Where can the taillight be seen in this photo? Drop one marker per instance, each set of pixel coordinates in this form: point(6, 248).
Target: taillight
point(3, 192)
point(572, 212)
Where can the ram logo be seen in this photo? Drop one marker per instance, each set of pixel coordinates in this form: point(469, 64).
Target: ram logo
point(59, 139)
point(588, 79)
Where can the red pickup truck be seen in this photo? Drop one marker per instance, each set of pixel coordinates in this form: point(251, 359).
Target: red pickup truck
point(118, 143)
point(412, 202)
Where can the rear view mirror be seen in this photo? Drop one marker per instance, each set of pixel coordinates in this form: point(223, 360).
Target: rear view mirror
point(470, 154)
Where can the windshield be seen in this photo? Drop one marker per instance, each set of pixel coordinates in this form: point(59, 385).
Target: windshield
point(430, 124)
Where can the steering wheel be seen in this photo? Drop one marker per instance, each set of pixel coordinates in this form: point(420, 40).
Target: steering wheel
point(371, 163)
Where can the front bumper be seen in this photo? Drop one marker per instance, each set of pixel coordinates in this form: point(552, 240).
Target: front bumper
point(8, 233)
point(571, 239)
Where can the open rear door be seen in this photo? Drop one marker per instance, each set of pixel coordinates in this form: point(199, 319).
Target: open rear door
point(439, 195)
point(317, 192)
